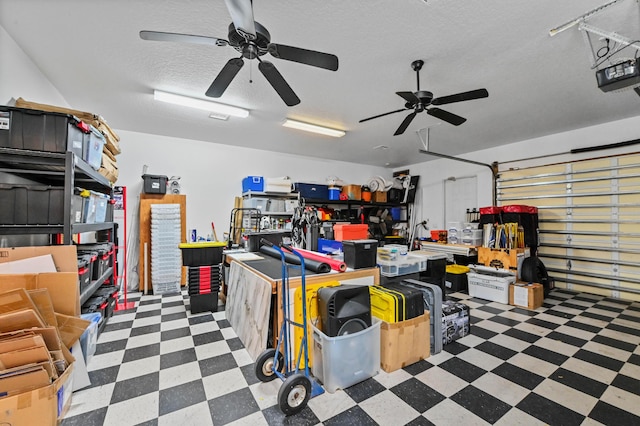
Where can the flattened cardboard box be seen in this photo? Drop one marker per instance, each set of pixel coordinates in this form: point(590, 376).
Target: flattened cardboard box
point(62, 285)
point(404, 343)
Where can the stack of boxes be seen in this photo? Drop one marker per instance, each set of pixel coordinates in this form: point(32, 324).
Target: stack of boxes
point(204, 263)
point(166, 271)
point(100, 143)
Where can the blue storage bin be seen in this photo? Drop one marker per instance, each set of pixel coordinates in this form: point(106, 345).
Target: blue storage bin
point(253, 183)
point(334, 193)
point(101, 203)
point(89, 338)
point(312, 190)
point(329, 246)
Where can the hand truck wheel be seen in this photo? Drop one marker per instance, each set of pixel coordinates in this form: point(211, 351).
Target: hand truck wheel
point(294, 394)
point(264, 365)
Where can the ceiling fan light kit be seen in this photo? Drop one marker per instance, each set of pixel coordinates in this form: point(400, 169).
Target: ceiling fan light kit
point(313, 128)
point(422, 100)
point(212, 107)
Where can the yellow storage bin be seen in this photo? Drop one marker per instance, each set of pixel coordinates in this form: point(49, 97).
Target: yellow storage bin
point(456, 278)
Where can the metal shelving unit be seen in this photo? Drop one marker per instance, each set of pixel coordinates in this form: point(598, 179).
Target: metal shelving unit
point(68, 171)
point(56, 169)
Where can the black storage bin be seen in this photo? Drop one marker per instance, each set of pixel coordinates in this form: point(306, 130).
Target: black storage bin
point(111, 293)
point(104, 253)
point(202, 254)
point(360, 253)
point(456, 278)
point(93, 259)
point(13, 199)
point(31, 205)
point(436, 273)
point(277, 237)
point(203, 279)
point(42, 131)
point(45, 205)
point(97, 304)
point(395, 195)
point(155, 184)
point(203, 303)
point(85, 271)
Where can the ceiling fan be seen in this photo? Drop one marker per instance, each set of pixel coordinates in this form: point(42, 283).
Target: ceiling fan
point(252, 40)
point(421, 99)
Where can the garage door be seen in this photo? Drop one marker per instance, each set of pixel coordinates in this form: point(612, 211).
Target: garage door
point(589, 215)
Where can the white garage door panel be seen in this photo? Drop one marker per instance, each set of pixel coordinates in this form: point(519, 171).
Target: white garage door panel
point(589, 215)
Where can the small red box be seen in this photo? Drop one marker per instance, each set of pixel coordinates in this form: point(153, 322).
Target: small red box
point(343, 232)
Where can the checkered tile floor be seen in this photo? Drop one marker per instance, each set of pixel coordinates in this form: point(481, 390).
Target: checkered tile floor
point(574, 361)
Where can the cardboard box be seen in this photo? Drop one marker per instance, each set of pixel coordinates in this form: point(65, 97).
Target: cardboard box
point(352, 192)
point(62, 285)
point(526, 295)
point(503, 258)
point(379, 197)
point(41, 406)
point(404, 343)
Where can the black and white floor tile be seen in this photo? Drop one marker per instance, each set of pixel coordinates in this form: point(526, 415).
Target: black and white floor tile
point(574, 361)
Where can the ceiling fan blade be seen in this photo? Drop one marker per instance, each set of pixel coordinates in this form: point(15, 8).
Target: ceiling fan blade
point(224, 78)
point(459, 97)
point(451, 118)
point(405, 123)
point(381, 115)
point(276, 80)
point(241, 12)
point(304, 56)
point(409, 97)
point(182, 38)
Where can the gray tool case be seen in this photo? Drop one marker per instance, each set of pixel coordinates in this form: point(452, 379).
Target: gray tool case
point(432, 295)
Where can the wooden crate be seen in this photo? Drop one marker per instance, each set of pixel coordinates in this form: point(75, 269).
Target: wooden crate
point(502, 258)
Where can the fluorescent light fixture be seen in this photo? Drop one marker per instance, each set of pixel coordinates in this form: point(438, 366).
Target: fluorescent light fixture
point(313, 128)
point(200, 104)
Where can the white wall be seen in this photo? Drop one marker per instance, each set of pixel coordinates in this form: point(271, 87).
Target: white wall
point(434, 173)
point(20, 77)
point(211, 174)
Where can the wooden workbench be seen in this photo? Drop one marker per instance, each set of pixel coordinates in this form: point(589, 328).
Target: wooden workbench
point(250, 294)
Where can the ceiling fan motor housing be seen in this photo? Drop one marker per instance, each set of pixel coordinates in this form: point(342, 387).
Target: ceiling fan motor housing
point(250, 49)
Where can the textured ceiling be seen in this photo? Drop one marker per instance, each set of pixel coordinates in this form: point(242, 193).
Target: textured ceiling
point(538, 85)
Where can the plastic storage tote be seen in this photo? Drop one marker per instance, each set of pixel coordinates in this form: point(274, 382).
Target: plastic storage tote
point(93, 148)
point(253, 183)
point(490, 284)
point(89, 338)
point(343, 361)
point(36, 130)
